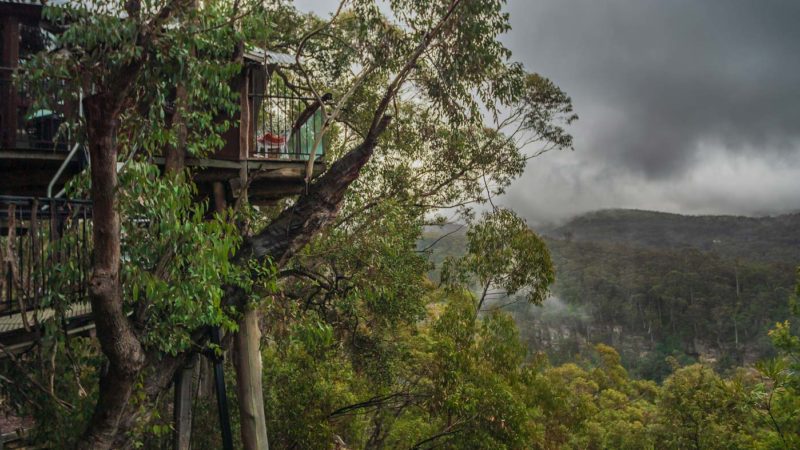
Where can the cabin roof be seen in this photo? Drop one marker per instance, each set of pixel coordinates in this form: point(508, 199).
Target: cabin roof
point(267, 57)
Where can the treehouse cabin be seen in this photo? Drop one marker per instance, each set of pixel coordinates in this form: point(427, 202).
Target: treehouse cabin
point(275, 133)
point(267, 149)
point(45, 239)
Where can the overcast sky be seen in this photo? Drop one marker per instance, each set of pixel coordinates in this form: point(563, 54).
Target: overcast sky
point(685, 106)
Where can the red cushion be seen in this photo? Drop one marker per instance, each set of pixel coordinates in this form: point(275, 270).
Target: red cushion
point(270, 138)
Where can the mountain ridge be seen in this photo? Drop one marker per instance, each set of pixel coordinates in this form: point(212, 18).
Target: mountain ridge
point(765, 238)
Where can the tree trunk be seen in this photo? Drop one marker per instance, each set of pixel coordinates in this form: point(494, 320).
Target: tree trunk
point(175, 155)
point(297, 224)
point(114, 332)
point(292, 229)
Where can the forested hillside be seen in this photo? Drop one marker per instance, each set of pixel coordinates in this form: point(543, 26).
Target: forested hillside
point(655, 285)
point(754, 238)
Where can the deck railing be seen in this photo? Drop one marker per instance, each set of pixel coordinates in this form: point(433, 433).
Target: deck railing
point(45, 252)
point(25, 126)
point(286, 125)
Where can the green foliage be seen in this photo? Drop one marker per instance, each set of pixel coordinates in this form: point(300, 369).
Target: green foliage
point(684, 301)
point(778, 396)
point(548, 110)
point(97, 41)
point(177, 259)
point(306, 377)
point(502, 254)
point(698, 409)
point(63, 407)
point(649, 303)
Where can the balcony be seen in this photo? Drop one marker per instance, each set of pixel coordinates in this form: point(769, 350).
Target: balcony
point(286, 126)
point(275, 134)
point(272, 139)
point(45, 256)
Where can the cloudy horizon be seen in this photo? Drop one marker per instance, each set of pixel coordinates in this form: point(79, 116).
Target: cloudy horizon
point(686, 107)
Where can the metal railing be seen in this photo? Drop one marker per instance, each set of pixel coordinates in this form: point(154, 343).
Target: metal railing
point(25, 126)
point(45, 252)
point(286, 126)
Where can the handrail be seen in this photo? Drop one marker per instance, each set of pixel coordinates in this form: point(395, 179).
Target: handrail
point(60, 171)
point(68, 158)
point(45, 233)
point(285, 126)
point(21, 199)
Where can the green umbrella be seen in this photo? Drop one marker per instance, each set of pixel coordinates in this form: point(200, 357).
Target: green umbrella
point(38, 114)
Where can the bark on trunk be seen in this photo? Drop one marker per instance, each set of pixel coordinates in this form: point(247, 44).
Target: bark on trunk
point(115, 333)
point(158, 376)
point(297, 224)
point(175, 155)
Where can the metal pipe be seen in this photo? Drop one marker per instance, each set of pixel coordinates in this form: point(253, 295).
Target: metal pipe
point(222, 395)
point(69, 156)
point(61, 169)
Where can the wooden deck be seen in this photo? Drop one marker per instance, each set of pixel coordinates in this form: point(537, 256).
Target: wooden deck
point(27, 172)
point(15, 338)
point(269, 179)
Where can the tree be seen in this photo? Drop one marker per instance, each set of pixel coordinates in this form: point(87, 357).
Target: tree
point(136, 62)
point(503, 257)
point(698, 409)
point(778, 396)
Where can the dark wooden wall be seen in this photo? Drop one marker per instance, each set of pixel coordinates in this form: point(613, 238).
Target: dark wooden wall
point(12, 16)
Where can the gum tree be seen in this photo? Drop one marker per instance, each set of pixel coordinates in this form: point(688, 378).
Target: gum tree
point(432, 83)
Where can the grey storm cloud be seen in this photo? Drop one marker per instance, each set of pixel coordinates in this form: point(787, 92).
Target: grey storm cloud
point(668, 91)
point(671, 73)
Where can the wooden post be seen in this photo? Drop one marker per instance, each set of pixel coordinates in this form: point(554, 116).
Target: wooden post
point(182, 411)
point(245, 130)
point(222, 395)
point(205, 379)
point(247, 359)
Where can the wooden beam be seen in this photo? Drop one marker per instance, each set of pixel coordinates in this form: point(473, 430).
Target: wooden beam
point(271, 189)
point(245, 133)
point(182, 411)
point(36, 155)
point(248, 381)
